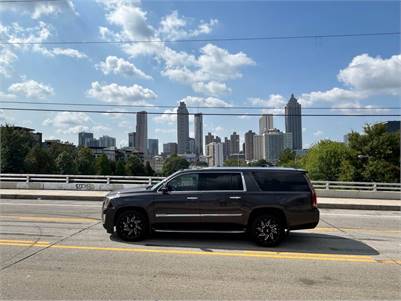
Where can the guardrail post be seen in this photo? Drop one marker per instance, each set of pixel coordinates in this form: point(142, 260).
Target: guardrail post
point(327, 186)
point(67, 179)
point(108, 180)
point(150, 180)
point(374, 186)
point(27, 178)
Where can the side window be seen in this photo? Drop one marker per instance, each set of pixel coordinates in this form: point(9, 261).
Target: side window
point(279, 181)
point(220, 181)
point(186, 182)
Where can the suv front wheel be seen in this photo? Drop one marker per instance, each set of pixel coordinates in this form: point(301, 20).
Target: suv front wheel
point(131, 225)
point(267, 230)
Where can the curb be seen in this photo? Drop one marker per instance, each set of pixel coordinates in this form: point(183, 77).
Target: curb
point(100, 198)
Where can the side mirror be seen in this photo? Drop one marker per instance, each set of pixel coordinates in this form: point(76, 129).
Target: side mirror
point(165, 189)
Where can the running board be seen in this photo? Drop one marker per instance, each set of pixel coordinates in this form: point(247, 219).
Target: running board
point(199, 231)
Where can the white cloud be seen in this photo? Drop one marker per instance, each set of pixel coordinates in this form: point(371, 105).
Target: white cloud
point(39, 9)
point(275, 101)
point(194, 101)
point(318, 133)
point(167, 117)
point(100, 129)
point(356, 107)
point(332, 95)
point(134, 94)
point(373, 73)
point(6, 96)
point(116, 65)
point(174, 27)
point(69, 122)
point(7, 58)
point(69, 52)
point(165, 131)
point(211, 88)
point(31, 88)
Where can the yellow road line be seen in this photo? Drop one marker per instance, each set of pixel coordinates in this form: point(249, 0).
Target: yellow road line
point(327, 229)
point(50, 219)
point(250, 254)
point(23, 241)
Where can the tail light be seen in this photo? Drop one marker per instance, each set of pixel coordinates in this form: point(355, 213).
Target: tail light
point(314, 199)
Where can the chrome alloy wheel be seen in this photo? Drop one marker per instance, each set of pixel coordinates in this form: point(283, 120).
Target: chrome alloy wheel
point(131, 226)
point(267, 230)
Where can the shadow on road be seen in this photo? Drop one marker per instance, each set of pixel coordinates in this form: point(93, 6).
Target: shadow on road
point(296, 242)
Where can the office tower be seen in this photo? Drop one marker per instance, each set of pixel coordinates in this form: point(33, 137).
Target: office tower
point(226, 148)
point(209, 138)
point(182, 128)
point(191, 145)
point(288, 141)
point(141, 132)
point(153, 147)
point(107, 141)
point(131, 139)
point(265, 123)
point(234, 143)
point(215, 154)
point(198, 120)
point(273, 145)
point(248, 150)
point(169, 148)
point(82, 136)
point(258, 147)
point(293, 122)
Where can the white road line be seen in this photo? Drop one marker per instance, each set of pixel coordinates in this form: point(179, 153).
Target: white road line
point(51, 204)
point(362, 215)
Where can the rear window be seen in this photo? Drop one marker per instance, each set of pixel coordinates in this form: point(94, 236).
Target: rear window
point(281, 181)
point(220, 181)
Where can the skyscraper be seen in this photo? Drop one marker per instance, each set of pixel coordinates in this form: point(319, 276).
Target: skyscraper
point(293, 122)
point(198, 134)
point(265, 123)
point(141, 141)
point(131, 139)
point(153, 147)
point(215, 154)
point(234, 143)
point(182, 128)
point(169, 148)
point(107, 141)
point(249, 145)
point(258, 147)
point(82, 136)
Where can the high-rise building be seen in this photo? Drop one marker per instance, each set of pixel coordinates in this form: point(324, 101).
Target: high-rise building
point(131, 139)
point(169, 148)
point(248, 145)
point(82, 137)
point(265, 123)
point(141, 136)
point(258, 147)
point(234, 143)
point(209, 138)
point(198, 120)
point(226, 148)
point(273, 145)
point(107, 141)
point(215, 154)
point(287, 141)
point(191, 145)
point(153, 147)
point(293, 121)
point(182, 128)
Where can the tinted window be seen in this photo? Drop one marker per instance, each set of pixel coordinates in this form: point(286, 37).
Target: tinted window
point(220, 181)
point(279, 181)
point(187, 182)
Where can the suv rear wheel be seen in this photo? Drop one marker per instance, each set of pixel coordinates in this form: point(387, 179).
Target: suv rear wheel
point(267, 230)
point(131, 225)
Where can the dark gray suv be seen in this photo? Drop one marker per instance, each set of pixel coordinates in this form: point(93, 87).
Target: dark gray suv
point(265, 202)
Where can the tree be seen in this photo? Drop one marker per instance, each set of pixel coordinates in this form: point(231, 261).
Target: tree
point(102, 165)
point(66, 164)
point(38, 160)
point(85, 161)
point(120, 168)
point(234, 162)
point(148, 169)
point(375, 155)
point(259, 163)
point(15, 145)
point(134, 166)
point(173, 164)
point(323, 160)
point(286, 156)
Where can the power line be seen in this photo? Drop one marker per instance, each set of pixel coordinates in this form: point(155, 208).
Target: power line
point(206, 114)
point(230, 39)
point(190, 107)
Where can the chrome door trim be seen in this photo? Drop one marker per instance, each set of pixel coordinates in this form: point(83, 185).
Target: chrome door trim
point(197, 214)
point(199, 231)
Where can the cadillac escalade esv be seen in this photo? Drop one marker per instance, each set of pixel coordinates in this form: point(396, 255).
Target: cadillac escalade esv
point(264, 202)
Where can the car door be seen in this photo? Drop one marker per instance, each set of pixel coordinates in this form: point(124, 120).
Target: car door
point(222, 195)
point(179, 204)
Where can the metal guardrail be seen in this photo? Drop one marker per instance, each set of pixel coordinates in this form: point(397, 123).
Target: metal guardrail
point(146, 180)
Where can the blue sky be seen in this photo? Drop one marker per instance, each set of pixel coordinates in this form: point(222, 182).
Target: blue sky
point(348, 72)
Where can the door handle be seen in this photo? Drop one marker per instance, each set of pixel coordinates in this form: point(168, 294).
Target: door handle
point(235, 197)
point(192, 197)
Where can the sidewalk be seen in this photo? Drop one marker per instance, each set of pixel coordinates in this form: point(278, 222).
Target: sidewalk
point(323, 202)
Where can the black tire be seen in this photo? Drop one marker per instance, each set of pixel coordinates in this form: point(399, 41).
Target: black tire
point(267, 230)
point(132, 225)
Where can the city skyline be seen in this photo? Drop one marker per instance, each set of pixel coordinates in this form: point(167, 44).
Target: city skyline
point(355, 74)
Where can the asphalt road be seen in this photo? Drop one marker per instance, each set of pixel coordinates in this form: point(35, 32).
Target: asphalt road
point(59, 250)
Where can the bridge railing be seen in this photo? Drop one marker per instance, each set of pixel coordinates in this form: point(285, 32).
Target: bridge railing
point(147, 180)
